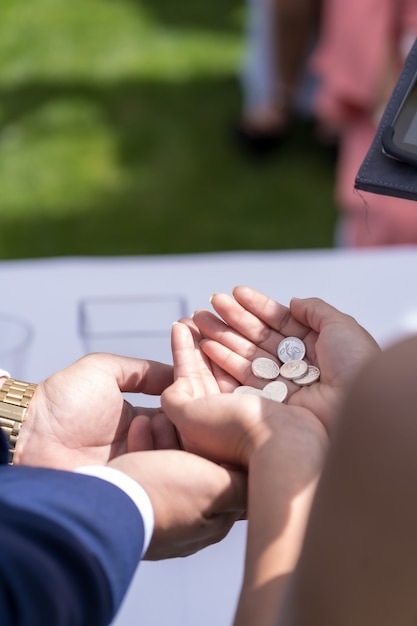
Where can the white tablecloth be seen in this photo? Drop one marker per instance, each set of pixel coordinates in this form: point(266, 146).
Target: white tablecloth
point(375, 286)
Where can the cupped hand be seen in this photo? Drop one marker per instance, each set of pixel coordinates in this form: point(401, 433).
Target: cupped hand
point(250, 325)
point(78, 415)
point(225, 427)
point(195, 502)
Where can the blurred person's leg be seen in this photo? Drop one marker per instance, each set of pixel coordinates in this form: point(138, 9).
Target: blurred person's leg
point(258, 70)
point(296, 24)
point(273, 79)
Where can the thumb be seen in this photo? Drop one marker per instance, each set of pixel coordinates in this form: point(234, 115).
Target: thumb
point(176, 395)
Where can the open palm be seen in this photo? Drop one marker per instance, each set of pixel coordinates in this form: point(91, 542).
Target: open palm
point(226, 427)
point(250, 325)
point(79, 415)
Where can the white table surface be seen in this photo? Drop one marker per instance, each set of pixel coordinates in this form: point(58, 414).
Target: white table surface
point(375, 286)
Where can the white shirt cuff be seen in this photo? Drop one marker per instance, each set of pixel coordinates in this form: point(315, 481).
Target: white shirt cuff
point(132, 489)
point(4, 373)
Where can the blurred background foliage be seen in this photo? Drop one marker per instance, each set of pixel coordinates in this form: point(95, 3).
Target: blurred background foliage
point(115, 136)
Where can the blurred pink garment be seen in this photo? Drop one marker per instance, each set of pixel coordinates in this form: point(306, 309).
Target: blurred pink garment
point(358, 41)
point(362, 47)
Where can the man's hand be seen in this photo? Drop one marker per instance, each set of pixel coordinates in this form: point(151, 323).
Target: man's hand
point(195, 501)
point(78, 416)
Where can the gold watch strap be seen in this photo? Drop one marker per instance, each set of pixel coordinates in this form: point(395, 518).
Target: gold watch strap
point(15, 396)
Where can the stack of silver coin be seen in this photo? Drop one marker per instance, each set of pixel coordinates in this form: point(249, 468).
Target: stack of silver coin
point(291, 352)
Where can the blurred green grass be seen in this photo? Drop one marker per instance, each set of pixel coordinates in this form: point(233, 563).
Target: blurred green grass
point(115, 139)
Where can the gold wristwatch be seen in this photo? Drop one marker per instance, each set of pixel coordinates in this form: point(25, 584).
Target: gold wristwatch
point(15, 396)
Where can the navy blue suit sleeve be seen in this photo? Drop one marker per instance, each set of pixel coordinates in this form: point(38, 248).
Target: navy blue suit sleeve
point(69, 546)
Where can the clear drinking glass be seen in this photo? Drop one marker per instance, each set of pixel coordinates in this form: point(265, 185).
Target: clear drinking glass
point(15, 338)
point(131, 326)
point(136, 326)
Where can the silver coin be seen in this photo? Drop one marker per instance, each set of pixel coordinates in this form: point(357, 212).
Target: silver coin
point(293, 369)
point(291, 349)
point(265, 368)
point(248, 389)
point(276, 390)
point(312, 374)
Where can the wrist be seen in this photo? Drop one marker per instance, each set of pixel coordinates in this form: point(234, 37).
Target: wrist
point(261, 429)
point(15, 396)
point(280, 497)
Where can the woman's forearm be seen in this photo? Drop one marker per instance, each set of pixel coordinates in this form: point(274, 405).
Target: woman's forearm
point(275, 534)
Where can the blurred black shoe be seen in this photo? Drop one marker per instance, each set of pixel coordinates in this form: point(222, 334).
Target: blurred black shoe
point(262, 130)
point(259, 144)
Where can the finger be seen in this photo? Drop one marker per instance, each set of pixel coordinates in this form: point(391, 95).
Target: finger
point(188, 321)
point(150, 429)
point(272, 313)
point(236, 321)
point(224, 381)
point(314, 312)
point(236, 360)
point(240, 368)
point(189, 362)
point(322, 316)
point(235, 339)
point(234, 353)
point(280, 317)
point(183, 351)
point(135, 375)
point(139, 436)
point(164, 433)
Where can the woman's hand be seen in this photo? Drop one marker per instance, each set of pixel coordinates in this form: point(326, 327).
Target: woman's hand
point(252, 325)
